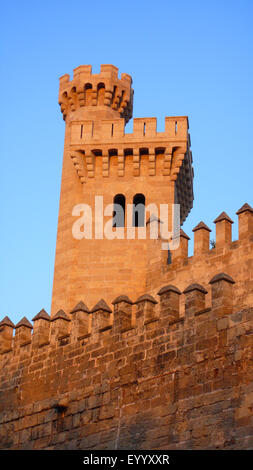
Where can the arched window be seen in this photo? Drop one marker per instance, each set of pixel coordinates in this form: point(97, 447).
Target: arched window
point(119, 203)
point(139, 210)
point(101, 93)
point(88, 94)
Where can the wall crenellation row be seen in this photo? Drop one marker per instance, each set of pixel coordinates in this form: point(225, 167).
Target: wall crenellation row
point(85, 324)
point(223, 225)
point(106, 70)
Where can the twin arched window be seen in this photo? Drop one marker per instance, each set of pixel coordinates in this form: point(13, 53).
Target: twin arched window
point(119, 202)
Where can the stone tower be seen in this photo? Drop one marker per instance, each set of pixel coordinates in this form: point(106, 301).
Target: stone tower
point(102, 163)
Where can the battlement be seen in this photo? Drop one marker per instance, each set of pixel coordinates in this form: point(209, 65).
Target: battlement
point(88, 93)
point(84, 71)
point(223, 239)
point(144, 129)
point(211, 254)
point(84, 326)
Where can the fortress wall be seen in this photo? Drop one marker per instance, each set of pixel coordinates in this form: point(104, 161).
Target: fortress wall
point(232, 257)
point(139, 377)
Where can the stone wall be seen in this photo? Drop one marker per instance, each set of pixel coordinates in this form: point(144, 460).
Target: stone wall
point(143, 376)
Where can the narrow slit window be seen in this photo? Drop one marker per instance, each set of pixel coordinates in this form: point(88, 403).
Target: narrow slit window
point(112, 131)
point(139, 210)
point(144, 128)
point(175, 127)
point(119, 203)
point(81, 133)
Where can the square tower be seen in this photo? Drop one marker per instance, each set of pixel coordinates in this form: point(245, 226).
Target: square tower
point(104, 166)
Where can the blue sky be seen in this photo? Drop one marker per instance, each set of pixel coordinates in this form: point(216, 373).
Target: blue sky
point(186, 58)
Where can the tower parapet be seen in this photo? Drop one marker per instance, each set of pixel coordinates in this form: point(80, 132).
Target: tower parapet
point(103, 94)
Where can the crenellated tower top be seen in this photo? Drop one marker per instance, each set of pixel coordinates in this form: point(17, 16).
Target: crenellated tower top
point(100, 96)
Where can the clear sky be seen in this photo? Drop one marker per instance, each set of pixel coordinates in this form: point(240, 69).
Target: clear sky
point(186, 58)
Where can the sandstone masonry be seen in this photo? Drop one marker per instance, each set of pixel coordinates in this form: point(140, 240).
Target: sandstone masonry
point(143, 349)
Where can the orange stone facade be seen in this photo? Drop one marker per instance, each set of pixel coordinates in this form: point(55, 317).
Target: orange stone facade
point(144, 349)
